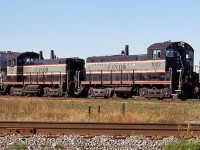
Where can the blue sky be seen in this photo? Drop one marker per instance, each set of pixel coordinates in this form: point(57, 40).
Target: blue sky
point(84, 28)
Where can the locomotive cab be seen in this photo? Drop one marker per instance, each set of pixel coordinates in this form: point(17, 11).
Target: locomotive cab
point(14, 75)
point(15, 65)
point(179, 62)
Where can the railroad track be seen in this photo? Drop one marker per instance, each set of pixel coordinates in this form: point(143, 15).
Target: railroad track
point(93, 129)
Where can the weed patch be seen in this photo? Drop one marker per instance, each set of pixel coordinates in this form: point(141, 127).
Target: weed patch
point(182, 145)
point(138, 111)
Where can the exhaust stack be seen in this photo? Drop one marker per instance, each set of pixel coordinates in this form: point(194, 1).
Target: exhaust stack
point(41, 55)
point(126, 51)
point(52, 56)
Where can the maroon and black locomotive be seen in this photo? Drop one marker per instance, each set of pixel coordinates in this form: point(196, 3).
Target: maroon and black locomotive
point(167, 70)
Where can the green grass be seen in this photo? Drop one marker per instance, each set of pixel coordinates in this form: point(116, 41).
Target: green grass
point(182, 145)
point(17, 146)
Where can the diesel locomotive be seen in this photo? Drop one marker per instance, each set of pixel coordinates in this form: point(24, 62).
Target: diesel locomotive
point(29, 74)
point(166, 70)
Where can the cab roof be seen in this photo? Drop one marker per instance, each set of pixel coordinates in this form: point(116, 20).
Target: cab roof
point(168, 44)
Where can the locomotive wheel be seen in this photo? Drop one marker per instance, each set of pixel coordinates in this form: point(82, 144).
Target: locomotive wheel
point(143, 92)
point(186, 89)
point(183, 97)
point(11, 91)
point(160, 98)
point(166, 92)
point(114, 96)
point(125, 97)
point(66, 94)
point(90, 93)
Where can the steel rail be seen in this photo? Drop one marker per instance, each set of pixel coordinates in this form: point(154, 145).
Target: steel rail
point(93, 129)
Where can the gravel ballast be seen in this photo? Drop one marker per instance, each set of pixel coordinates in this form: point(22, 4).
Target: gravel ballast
point(76, 142)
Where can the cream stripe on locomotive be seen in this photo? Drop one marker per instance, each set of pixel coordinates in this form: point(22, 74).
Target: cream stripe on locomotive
point(37, 70)
point(129, 66)
point(45, 65)
point(47, 69)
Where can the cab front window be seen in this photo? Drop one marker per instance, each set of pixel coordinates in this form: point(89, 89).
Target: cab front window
point(189, 54)
point(170, 52)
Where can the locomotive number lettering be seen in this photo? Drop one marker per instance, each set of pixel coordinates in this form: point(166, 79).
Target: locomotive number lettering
point(156, 64)
point(11, 68)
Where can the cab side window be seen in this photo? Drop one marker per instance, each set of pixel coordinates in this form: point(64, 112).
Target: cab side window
point(11, 63)
point(156, 54)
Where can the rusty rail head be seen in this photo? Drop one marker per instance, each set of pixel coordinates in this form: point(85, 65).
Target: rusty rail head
point(92, 129)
